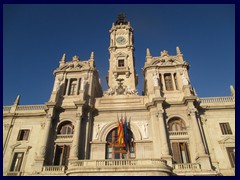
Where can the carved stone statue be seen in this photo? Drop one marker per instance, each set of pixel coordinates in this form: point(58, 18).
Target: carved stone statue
point(184, 78)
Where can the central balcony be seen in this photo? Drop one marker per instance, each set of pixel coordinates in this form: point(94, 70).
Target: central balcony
point(119, 167)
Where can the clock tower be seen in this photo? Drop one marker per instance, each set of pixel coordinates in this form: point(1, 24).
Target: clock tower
point(122, 78)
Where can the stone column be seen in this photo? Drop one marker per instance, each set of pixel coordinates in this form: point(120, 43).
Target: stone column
point(76, 136)
point(78, 86)
point(163, 82)
point(68, 84)
point(173, 80)
point(155, 133)
point(39, 160)
point(46, 132)
point(196, 130)
point(163, 136)
point(201, 156)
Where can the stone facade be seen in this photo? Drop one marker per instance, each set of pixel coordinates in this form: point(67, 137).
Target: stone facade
point(174, 132)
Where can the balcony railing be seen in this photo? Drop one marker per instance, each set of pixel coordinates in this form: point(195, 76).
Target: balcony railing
point(117, 162)
point(187, 166)
point(30, 107)
point(53, 169)
point(217, 99)
point(178, 133)
point(13, 173)
point(7, 108)
point(64, 136)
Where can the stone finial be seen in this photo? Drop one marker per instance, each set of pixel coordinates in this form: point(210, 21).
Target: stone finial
point(63, 58)
point(232, 90)
point(148, 52)
point(164, 53)
point(178, 50)
point(75, 58)
point(92, 55)
point(17, 100)
point(148, 55)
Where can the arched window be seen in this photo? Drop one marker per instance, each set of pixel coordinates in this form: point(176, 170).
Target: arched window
point(114, 150)
point(66, 128)
point(176, 124)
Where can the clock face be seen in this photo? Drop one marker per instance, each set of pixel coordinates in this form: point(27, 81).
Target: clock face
point(121, 40)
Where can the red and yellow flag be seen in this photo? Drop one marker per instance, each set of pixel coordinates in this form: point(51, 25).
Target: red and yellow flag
point(120, 130)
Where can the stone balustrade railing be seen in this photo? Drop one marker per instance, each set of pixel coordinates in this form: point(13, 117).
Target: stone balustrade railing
point(178, 133)
point(117, 162)
point(217, 99)
point(53, 168)
point(7, 108)
point(30, 107)
point(187, 166)
point(13, 173)
point(64, 136)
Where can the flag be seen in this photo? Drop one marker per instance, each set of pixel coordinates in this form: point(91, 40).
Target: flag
point(126, 132)
point(120, 130)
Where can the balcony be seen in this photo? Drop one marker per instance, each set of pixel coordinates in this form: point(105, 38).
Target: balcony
point(119, 167)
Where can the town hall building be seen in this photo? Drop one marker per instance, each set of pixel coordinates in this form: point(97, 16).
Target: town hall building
point(168, 129)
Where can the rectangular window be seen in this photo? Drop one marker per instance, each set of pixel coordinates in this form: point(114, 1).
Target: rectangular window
point(180, 152)
point(17, 162)
point(121, 63)
point(23, 135)
point(231, 155)
point(168, 82)
point(225, 128)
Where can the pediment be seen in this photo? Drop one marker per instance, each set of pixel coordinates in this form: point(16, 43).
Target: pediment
point(162, 61)
point(74, 66)
point(227, 140)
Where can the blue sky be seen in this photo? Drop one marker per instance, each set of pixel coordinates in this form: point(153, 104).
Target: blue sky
point(36, 36)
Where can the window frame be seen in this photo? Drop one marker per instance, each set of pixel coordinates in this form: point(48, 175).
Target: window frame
point(121, 63)
point(23, 135)
point(225, 128)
